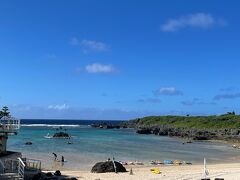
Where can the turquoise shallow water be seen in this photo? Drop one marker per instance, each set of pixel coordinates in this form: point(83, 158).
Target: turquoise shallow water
point(91, 145)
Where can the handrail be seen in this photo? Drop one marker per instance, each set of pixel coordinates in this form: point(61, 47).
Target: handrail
point(33, 163)
point(21, 168)
point(9, 123)
point(22, 163)
point(3, 166)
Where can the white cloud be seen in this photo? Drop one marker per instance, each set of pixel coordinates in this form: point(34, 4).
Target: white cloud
point(198, 20)
point(169, 91)
point(89, 45)
point(58, 107)
point(99, 68)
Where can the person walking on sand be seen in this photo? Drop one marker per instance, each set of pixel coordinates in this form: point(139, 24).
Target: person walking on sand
point(62, 160)
point(55, 156)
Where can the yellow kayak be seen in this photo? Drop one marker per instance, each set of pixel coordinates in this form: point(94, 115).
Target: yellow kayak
point(156, 171)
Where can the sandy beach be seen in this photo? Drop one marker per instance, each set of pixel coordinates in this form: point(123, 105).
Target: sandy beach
point(226, 171)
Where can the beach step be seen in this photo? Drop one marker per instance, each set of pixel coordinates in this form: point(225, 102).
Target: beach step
point(10, 176)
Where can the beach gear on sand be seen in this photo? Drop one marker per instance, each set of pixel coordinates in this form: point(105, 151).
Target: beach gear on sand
point(155, 171)
point(138, 163)
point(167, 162)
point(177, 162)
point(156, 162)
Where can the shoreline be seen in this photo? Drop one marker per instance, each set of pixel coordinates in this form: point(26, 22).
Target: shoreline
point(228, 171)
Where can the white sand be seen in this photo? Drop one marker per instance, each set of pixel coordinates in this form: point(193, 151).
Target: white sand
point(226, 171)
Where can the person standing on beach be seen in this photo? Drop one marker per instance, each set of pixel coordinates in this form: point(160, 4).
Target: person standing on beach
point(55, 156)
point(62, 160)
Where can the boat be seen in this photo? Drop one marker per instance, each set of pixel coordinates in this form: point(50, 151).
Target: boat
point(48, 136)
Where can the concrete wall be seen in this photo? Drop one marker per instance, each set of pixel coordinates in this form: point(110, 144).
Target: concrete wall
point(3, 144)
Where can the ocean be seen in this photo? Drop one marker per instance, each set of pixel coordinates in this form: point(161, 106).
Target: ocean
point(91, 145)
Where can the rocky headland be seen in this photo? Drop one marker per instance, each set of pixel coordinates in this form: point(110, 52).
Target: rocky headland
point(224, 127)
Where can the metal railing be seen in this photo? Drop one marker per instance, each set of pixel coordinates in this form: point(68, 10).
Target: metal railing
point(10, 165)
point(2, 167)
point(9, 124)
point(21, 167)
point(33, 164)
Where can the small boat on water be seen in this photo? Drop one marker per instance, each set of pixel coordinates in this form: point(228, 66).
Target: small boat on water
point(48, 136)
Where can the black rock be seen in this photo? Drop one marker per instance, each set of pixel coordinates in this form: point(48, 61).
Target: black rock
point(61, 135)
point(37, 176)
point(49, 174)
point(143, 131)
point(200, 138)
point(28, 143)
point(104, 167)
point(57, 173)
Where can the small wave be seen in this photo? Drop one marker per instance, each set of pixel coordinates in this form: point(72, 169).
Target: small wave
point(50, 125)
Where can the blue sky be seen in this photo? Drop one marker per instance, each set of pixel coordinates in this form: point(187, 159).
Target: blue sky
point(119, 60)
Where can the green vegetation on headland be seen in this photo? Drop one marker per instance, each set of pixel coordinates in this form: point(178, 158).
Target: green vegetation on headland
point(226, 121)
point(223, 127)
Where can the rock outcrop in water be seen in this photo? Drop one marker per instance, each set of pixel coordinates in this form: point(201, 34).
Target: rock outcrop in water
point(105, 126)
point(104, 167)
point(61, 135)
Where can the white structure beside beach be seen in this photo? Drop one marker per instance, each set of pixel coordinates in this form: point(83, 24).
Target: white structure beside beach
point(8, 126)
point(12, 165)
